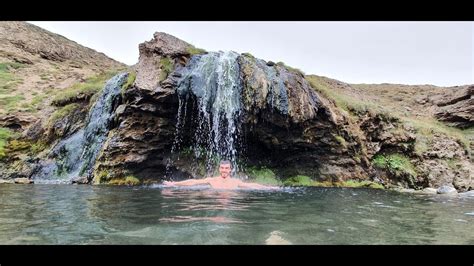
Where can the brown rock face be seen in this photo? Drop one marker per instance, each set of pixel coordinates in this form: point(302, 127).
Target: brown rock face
point(285, 123)
point(291, 128)
point(456, 108)
point(162, 47)
point(16, 122)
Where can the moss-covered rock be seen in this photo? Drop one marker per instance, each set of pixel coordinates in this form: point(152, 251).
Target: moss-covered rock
point(263, 176)
point(128, 180)
point(299, 180)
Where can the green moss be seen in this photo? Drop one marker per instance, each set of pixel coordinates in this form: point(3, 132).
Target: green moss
point(62, 112)
point(101, 177)
point(291, 69)
point(37, 101)
point(130, 79)
point(5, 135)
point(379, 161)
point(86, 89)
point(426, 129)
point(5, 66)
point(7, 79)
point(396, 164)
point(359, 184)
point(299, 180)
point(357, 159)
point(10, 102)
point(256, 172)
point(322, 184)
point(167, 67)
point(341, 141)
point(37, 147)
point(194, 51)
point(348, 184)
point(129, 181)
point(132, 180)
point(17, 145)
point(248, 55)
point(263, 176)
point(9, 143)
point(347, 102)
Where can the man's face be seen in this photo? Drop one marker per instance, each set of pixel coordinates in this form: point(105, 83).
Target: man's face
point(224, 170)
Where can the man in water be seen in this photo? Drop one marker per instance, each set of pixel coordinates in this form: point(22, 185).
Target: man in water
point(224, 181)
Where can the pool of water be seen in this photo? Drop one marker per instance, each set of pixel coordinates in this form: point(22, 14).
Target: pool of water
point(82, 214)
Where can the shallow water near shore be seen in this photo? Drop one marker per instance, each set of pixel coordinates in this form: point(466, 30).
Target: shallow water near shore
point(75, 214)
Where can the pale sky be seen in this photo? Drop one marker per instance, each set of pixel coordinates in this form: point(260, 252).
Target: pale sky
point(438, 53)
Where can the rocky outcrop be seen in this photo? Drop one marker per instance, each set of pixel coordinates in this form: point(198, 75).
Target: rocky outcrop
point(456, 107)
point(291, 128)
point(153, 53)
point(145, 121)
point(16, 122)
point(163, 123)
point(287, 125)
point(446, 162)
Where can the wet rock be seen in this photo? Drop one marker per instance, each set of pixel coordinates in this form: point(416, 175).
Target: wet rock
point(446, 190)
point(67, 124)
point(23, 181)
point(6, 181)
point(80, 180)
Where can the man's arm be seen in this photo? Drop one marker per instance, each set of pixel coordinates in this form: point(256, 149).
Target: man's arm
point(190, 182)
point(254, 186)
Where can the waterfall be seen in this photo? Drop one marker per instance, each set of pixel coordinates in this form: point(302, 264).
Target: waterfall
point(278, 97)
point(214, 80)
point(76, 155)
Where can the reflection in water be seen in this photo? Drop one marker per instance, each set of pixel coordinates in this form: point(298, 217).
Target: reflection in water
point(197, 201)
point(216, 219)
point(65, 214)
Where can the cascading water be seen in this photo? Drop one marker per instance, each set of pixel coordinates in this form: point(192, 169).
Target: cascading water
point(278, 97)
point(214, 79)
point(76, 155)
